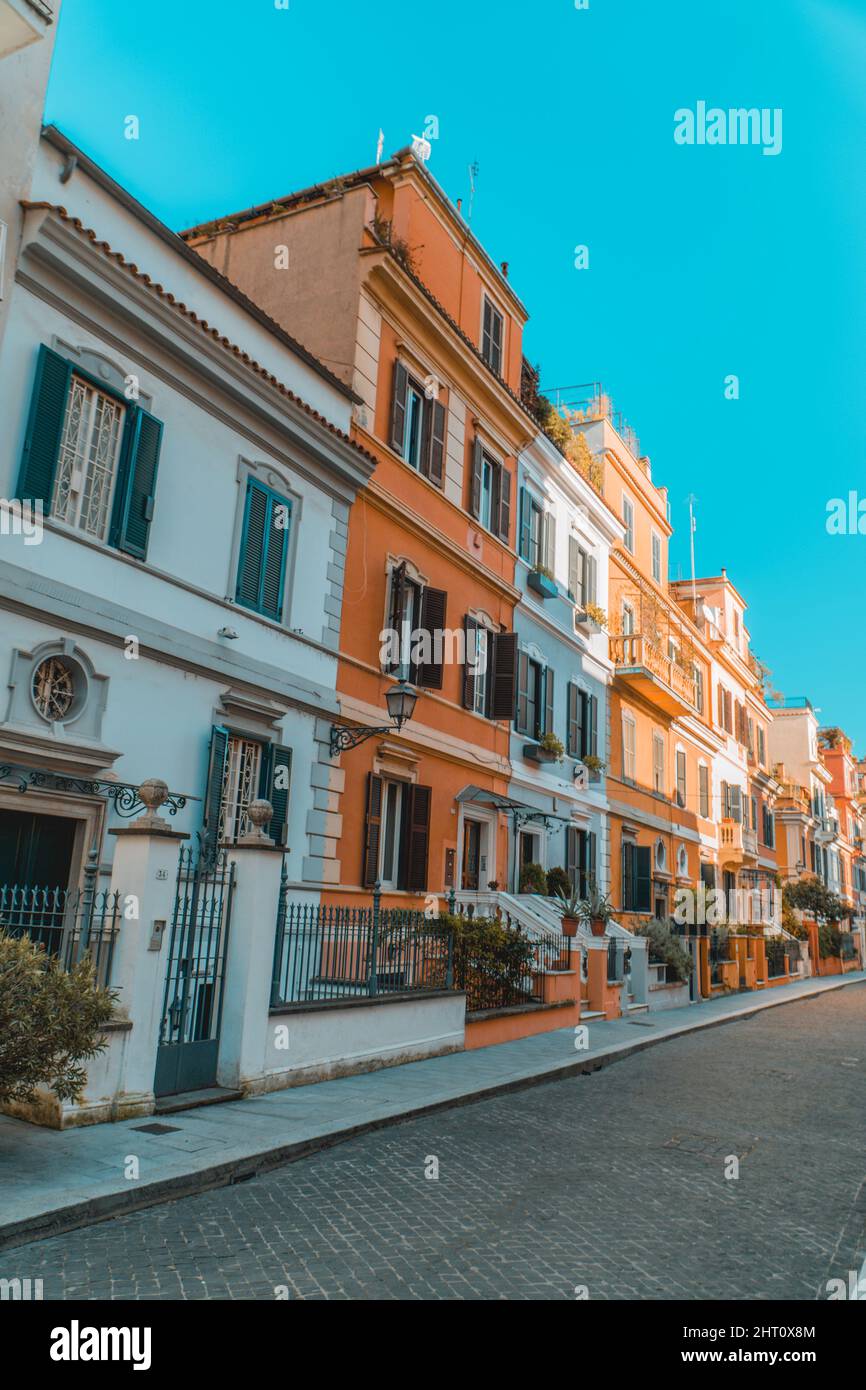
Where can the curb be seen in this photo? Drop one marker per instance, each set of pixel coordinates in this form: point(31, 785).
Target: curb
point(79, 1214)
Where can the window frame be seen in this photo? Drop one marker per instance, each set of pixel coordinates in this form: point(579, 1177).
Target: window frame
point(628, 519)
point(487, 301)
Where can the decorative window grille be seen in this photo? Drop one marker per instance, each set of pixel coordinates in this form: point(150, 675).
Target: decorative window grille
point(87, 465)
point(53, 689)
point(240, 787)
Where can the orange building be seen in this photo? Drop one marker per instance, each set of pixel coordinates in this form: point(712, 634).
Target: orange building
point(379, 275)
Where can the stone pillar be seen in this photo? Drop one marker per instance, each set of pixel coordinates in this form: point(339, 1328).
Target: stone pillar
point(250, 959)
point(144, 869)
point(639, 947)
point(596, 974)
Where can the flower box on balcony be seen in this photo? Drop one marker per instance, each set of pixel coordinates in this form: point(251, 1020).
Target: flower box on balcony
point(534, 753)
point(542, 583)
point(586, 623)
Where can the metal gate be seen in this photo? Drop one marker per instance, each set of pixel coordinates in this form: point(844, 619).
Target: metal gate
point(192, 1005)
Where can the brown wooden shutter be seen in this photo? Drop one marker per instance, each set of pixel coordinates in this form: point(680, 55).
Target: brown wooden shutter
point(504, 528)
point(418, 839)
point(372, 829)
point(470, 629)
point(433, 605)
point(548, 700)
point(475, 489)
point(435, 450)
point(503, 660)
point(398, 407)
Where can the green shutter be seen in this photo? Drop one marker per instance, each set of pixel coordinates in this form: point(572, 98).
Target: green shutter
point(525, 534)
point(264, 547)
point(136, 482)
point(274, 787)
point(44, 428)
point(219, 744)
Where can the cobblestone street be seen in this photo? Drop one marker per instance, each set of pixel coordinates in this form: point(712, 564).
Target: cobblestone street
point(613, 1183)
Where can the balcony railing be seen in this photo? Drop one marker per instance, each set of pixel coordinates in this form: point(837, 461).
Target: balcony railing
point(638, 656)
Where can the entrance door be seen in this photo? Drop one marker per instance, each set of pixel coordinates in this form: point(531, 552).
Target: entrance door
point(35, 863)
point(188, 1051)
point(471, 855)
point(35, 851)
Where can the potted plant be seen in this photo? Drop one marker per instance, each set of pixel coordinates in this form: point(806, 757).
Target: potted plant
point(596, 910)
point(572, 906)
point(542, 582)
point(594, 765)
point(590, 618)
point(548, 749)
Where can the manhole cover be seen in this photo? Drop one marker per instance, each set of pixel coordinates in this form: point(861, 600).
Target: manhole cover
point(157, 1129)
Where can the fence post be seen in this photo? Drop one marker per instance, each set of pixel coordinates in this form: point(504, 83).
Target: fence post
point(449, 968)
point(372, 982)
point(280, 935)
point(452, 901)
point(88, 903)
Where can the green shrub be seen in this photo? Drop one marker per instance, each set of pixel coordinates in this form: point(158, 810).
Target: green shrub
point(558, 882)
point(49, 1021)
point(533, 879)
point(829, 940)
point(665, 946)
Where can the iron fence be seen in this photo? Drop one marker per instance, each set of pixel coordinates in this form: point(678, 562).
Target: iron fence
point(617, 960)
point(72, 924)
point(848, 949)
point(776, 963)
point(326, 954)
point(508, 972)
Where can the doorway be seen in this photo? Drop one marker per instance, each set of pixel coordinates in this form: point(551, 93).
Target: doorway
point(471, 872)
point(35, 850)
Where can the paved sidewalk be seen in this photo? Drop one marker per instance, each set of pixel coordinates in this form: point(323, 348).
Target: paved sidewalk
point(53, 1181)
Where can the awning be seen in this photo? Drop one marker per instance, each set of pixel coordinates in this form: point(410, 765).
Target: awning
point(520, 811)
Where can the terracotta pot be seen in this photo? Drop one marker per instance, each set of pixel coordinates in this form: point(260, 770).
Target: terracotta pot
point(597, 926)
point(569, 925)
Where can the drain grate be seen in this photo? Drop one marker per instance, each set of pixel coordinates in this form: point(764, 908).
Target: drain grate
point(157, 1129)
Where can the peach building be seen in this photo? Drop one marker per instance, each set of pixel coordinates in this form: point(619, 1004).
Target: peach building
point(379, 275)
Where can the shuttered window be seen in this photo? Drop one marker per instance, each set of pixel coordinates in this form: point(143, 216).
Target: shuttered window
point(90, 457)
point(681, 778)
point(704, 790)
point(582, 726)
point(418, 424)
point(490, 493)
point(240, 769)
point(658, 763)
point(396, 834)
point(636, 877)
point(629, 747)
point(264, 549)
point(491, 336)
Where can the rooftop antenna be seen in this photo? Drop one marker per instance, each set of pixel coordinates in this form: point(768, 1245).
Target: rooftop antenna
point(380, 145)
point(693, 526)
point(473, 174)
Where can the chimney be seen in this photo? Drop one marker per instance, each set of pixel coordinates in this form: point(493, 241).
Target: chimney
point(505, 269)
point(459, 204)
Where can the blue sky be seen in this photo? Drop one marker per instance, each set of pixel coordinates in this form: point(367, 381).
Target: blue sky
point(704, 261)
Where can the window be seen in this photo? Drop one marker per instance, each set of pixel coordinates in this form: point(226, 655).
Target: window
point(416, 614)
point(582, 574)
point(769, 827)
point(754, 802)
point(704, 791)
point(90, 457)
point(396, 834)
point(656, 557)
point(264, 545)
point(725, 716)
point(636, 880)
point(582, 732)
point(580, 858)
point(762, 746)
point(534, 697)
point(628, 518)
point(87, 462)
point(627, 619)
point(629, 747)
point(240, 770)
point(490, 497)
point(658, 763)
point(698, 675)
point(533, 542)
point(417, 426)
point(53, 688)
point(491, 336)
point(489, 671)
point(682, 862)
point(681, 777)
point(732, 803)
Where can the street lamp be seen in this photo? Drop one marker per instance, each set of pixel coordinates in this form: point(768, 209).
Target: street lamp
point(400, 699)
